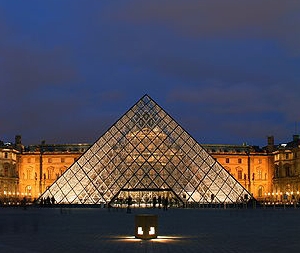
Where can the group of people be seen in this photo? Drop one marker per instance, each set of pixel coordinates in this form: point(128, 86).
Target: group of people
point(47, 201)
point(160, 201)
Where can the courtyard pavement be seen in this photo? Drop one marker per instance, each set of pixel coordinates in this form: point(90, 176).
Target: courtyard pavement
point(180, 230)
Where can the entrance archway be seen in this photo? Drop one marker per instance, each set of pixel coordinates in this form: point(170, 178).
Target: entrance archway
point(144, 197)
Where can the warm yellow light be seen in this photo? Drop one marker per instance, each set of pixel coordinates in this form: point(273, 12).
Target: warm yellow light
point(140, 231)
point(152, 231)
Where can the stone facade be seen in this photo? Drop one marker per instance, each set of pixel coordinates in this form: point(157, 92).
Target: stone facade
point(270, 173)
point(251, 166)
point(286, 180)
point(9, 178)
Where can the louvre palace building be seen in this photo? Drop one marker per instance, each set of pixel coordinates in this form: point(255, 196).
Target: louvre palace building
point(147, 154)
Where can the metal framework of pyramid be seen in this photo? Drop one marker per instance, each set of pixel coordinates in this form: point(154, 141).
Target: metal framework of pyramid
point(146, 151)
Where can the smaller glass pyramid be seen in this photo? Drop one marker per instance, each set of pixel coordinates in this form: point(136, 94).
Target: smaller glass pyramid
point(145, 154)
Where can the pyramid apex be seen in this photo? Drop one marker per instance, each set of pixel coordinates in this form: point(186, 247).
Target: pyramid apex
point(146, 95)
point(146, 152)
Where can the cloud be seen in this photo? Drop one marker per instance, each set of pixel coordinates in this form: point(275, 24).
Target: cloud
point(241, 98)
point(265, 19)
point(24, 70)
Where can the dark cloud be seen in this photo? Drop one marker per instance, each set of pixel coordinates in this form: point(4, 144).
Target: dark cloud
point(228, 71)
point(242, 98)
point(24, 70)
point(275, 19)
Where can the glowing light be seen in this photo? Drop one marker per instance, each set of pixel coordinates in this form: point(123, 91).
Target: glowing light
point(140, 231)
point(152, 231)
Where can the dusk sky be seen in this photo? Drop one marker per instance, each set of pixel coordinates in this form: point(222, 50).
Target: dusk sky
point(227, 71)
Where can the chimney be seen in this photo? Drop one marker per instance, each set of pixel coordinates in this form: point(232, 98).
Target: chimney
point(18, 139)
point(271, 140)
point(18, 143)
point(270, 146)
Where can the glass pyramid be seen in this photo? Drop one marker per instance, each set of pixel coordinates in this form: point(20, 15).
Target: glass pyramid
point(146, 154)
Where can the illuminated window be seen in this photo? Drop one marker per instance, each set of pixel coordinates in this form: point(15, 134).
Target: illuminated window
point(28, 190)
point(28, 174)
point(260, 191)
point(259, 174)
point(50, 172)
point(6, 171)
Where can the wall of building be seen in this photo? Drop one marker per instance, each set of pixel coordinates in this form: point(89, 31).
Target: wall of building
point(269, 174)
point(252, 169)
point(286, 181)
point(37, 171)
point(9, 180)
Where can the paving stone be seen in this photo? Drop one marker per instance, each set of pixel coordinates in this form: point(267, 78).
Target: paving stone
point(38, 230)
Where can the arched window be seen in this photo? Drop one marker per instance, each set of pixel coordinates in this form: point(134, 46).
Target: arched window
point(287, 170)
point(240, 174)
point(6, 169)
point(276, 171)
point(28, 190)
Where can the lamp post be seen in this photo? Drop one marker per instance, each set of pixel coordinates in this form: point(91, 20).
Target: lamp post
point(41, 166)
point(248, 168)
